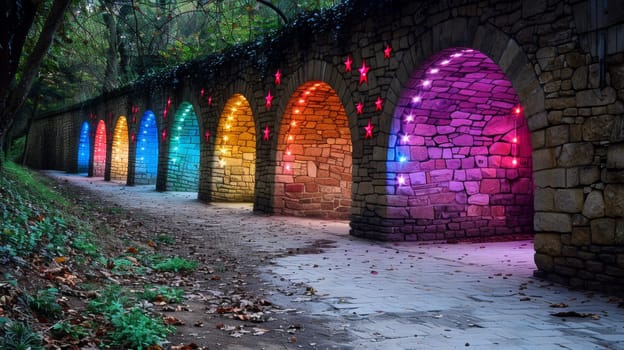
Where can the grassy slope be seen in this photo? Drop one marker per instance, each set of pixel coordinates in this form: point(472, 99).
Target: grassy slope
point(52, 262)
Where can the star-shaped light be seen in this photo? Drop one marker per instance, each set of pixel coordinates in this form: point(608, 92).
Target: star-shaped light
point(165, 114)
point(387, 51)
point(378, 104)
point(517, 110)
point(209, 100)
point(201, 92)
point(401, 180)
point(363, 72)
point(348, 63)
point(409, 118)
point(132, 137)
point(369, 130)
point(405, 138)
point(168, 101)
point(269, 100)
point(207, 135)
point(164, 134)
point(266, 132)
point(359, 107)
point(278, 77)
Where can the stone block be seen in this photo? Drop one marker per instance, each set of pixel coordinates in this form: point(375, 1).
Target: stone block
point(547, 243)
point(490, 186)
point(579, 78)
point(603, 231)
point(499, 126)
point(463, 140)
point(589, 175)
point(544, 158)
point(422, 212)
point(544, 199)
point(479, 199)
point(575, 154)
point(614, 200)
point(557, 135)
point(595, 97)
point(552, 222)
point(580, 236)
point(544, 262)
point(615, 156)
point(456, 186)
point(550, 178)
point(569, 200)
point(472, 187)
point(500, 148)
point(594, 206)
point(598, 128)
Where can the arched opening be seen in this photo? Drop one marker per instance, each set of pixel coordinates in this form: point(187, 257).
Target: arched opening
point(99, 150)
point(84, 148)
point(314, 163)
point(183, 164)
point(119, 156)
point(146, 166)
point(459, 152)
point(234, 169)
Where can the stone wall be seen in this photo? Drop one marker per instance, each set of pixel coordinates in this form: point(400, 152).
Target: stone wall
point(463, 176)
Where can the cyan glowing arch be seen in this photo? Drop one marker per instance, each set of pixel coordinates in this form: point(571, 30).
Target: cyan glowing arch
point(84, 149)
point(183, 163)
point(147, 150)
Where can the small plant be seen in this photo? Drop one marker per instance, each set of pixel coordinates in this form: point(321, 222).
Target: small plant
point(134, 329)
point(164, 239)
point(175, 264)
point(19, 336)
point(44, 303)
point(124, 267)
point(111, 301)
point(168, 294)
point(65, 329)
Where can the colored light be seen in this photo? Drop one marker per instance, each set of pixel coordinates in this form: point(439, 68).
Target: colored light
point(434, 70)
point(401, 180)
point(409, 118)
point(517, 110)
point(514, 161)
point(266, 133)
point(426, 83)
point(201, 93)
point(363, 73)
point(207, 135)
point(402, 159)
point(84, 148)
point(445, 62)
point(515, 140)
point(293, 123)
point(387, 51)
point(209, 100)
point(416, 99)
point(278, 77)
point(405, 138)
point(222, 162)
point(348, 63)
point(378, 104)
point(301, 101)
point(269, 100)
point(359, 107)
point(369, 130)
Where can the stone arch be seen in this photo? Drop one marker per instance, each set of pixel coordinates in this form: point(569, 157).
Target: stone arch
point(146, 164)
point(385, 221)
point(120, 148)
point(314, 155)
point(461, 155)
point(234, 162)
point(99, 149)
point(184, 150)
point(84, 148)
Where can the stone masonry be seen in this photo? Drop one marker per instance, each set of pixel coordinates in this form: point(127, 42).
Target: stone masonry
point(463, 177)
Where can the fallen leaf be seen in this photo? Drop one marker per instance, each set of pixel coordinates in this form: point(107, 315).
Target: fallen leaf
point(132, 250)
point(373, 272)
point(558, 305)
point(576, 314)
point(170, 320)
point(60, 259)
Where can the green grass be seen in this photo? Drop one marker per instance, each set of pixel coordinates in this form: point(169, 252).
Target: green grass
point(175, 264)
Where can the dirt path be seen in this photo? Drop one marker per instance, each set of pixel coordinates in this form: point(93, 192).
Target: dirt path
point(229, 305)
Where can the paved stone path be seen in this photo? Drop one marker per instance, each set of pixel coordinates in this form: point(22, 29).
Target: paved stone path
point(382, 295)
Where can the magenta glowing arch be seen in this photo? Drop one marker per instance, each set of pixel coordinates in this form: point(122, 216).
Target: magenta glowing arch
point(459, 152)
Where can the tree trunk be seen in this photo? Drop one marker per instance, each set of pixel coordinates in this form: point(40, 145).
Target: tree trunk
point(12, 99)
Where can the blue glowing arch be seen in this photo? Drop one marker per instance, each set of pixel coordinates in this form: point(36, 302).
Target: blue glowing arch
point(84, 149)
point(183, 162)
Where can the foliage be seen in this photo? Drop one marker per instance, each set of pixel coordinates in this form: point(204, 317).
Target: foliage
point(16, 149)
point(44, 303)
point(175, 264)
point(163, 293)
point(19, 336)
point(66, 329)
point(136, 330)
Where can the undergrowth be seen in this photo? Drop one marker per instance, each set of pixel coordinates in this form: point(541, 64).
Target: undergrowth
point(43, 232)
